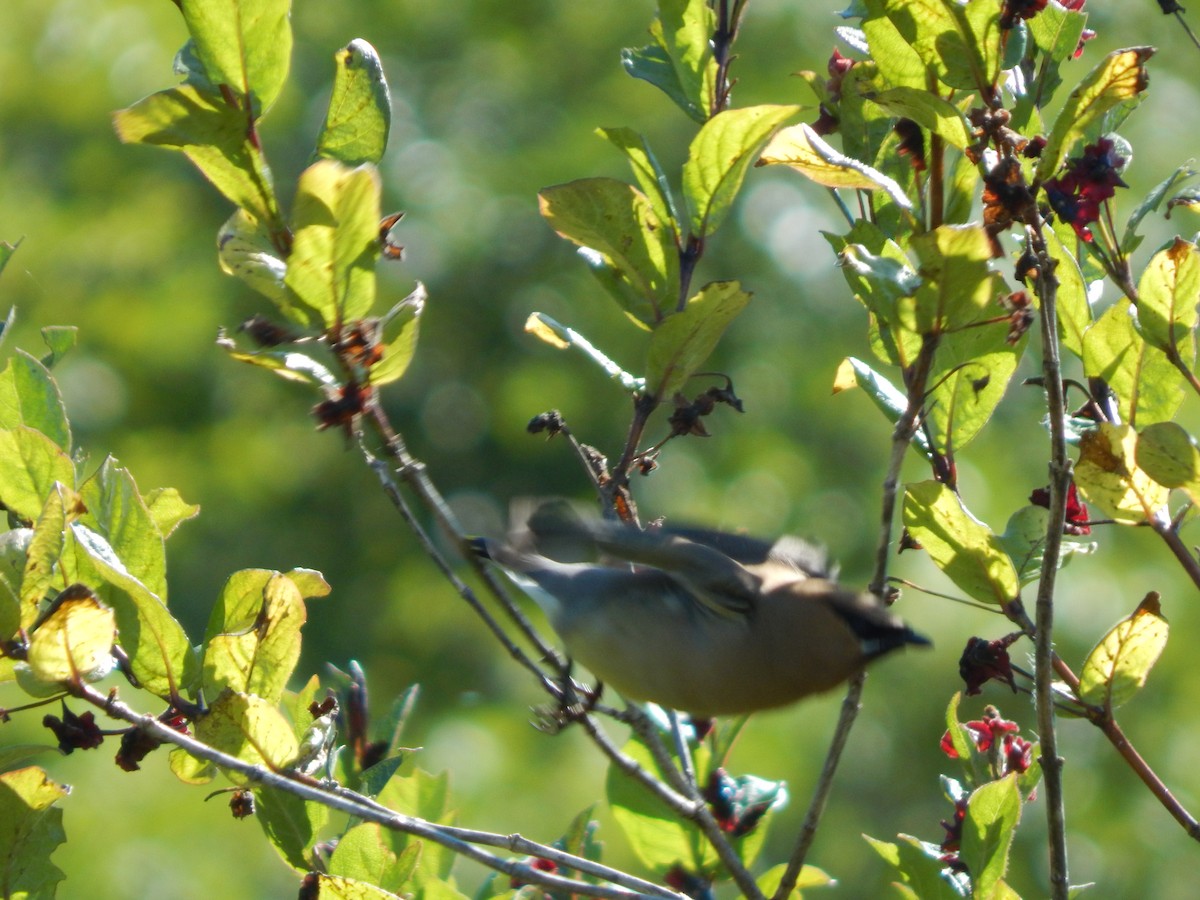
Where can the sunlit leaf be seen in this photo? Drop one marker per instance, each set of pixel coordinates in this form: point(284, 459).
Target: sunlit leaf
point(243, 44)
point(168, 509)
point(958, 287)
point(993, 811)
point(30, 464)
point(618, 222)
point(959, 42)
point(246, 250)
point(1071, 298)
point(360, 110)
point(885, 395)
point(1120, 76)
point(959, 544)
point(417, 793)
point(1056, 30)
point(161, 656)
point(75, 641)
point(290, 365)
point(61, 339)
point(338, 887)
point(1169, 455)
point(918, 866)
point(399, 338)
point(646, 172)
point(800, 148)
point(253, 640)
point(685, 340)
point(929, 111)
point(380, 856)
point(1108, 475)
point(809, 877)
point(1145, 384)
point(30, 831)
point(44, 550)
point(116, 511)
point(719, 157)
point(898, 62)
point(1118, 666)
point(971, 372)
point(250, 729)
point(680, 61)
point(1168, 292)
point(212, 135)
point(30, 396)
point(335, 224)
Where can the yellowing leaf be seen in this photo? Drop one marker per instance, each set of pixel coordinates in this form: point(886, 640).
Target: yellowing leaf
point(1169, 455)
point(803, 150)
point(1120, 76)
point(75, 641)
point(1118, 666)
point(1108, 475)
point(682, 343)
point(961, 546)
point(360, 109)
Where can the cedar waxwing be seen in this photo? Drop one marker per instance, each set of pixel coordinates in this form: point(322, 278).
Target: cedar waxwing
point(701, 621)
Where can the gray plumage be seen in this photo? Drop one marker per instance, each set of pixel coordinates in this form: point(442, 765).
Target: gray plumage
point(702, 621)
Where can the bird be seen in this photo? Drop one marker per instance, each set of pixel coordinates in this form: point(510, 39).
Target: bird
point(706, 622)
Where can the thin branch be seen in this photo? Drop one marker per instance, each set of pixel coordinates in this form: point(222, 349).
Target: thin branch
point(902, 436)
point(461, 841)
point(1060, 480)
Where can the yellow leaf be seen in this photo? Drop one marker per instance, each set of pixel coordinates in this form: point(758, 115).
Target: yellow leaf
point(1117, 667)
point(1109, 476)
point(75, 640)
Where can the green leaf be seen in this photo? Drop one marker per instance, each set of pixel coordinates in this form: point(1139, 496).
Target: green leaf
point(427, 797)
point(899, 64)
point(360, 109)
point(800, 148)
point(1153, 200)
point(291, 824)
point(810, 877)
point(371, 853)
point(970, 374)
point(30, 465)
point(243, 44)
point(335, 225)
point(44, 550)
point(253, 641)
point(959, 42)
point(1120, 76)
point(399, 338)
point(1146, 385)
point(1167, 297)
point(918, 865)
point(161, 657)
point(337, 887)
point(1118, 666)
point(680, 61)
point(1056, 31)
point(168, 509)
point(246, 250)
point(290, 365)
point(618, 222)
point(646, 172)
point(249, 728)
point(30, 831)
point(885, 395)
point(60, 339)
point(929, 111)
point(993, 812)
point(1108, 475)
point(75, 641)
point(719, 157)
point(959, 544)
point(1169, 455)
point(685, 340)
point(6, 252)
point(1071, 299)
point(962, 745)
point(958, 286)
point(14, 557)
point(657, 837)
point(29, 396)
point(212, 135)
point(116, 511)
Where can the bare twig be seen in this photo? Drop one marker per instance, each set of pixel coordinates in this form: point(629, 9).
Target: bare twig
point(461, 841)
point(902, 435)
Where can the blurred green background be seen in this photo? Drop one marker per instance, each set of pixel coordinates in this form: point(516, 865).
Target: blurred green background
point(492, 101)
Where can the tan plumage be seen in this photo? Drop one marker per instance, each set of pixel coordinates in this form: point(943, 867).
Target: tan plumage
point(701, 621)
